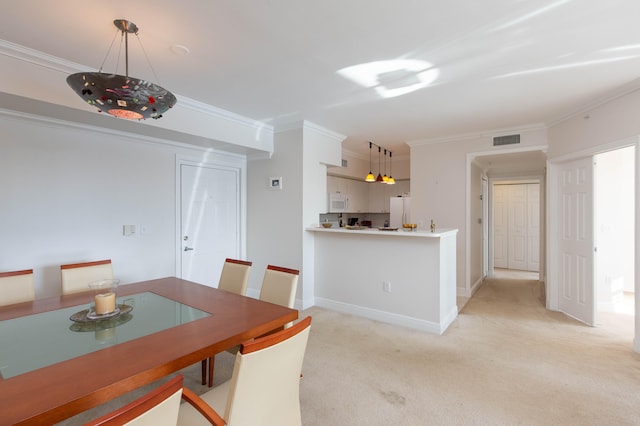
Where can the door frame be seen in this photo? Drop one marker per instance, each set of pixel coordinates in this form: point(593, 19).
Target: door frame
point(552, 279)
point(211, 159)
point(539, 179)
point(471, 288)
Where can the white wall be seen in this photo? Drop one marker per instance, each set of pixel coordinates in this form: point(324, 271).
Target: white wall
point(277, 218)
point(611, 125)
point(439, 185)
point(475, 226)
point(614, 219)
point(274, 217)
point(66, 193)
point(598, 128)
point(358, 166)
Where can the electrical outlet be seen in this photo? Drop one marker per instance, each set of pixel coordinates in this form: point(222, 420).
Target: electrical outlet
point(386, 286)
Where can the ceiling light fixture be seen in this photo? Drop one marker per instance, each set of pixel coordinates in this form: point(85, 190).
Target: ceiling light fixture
point(370, 177)
point(122, 96)
point(391, 180)
point(385, 178)
point(379, 178)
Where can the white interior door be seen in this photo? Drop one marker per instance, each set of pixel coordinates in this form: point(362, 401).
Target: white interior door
point(533, 227)
point(500, 226)
point(210, 221)
point(485, 227)
point(517, 226)
point(576, 240)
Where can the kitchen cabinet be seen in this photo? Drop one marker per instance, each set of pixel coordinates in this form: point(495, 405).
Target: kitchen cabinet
point(378, 197)
point(337, 184)
point(358, 196)
point(366, 197)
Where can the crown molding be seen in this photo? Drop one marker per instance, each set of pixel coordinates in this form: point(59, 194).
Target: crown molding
point(625, 89)
point(140, 138)
point(41, 59)
point(308, 125)
point(479, 135)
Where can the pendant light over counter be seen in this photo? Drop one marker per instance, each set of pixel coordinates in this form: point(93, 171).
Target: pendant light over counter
point(120, 95)
point(370, 177)
point(382, 179)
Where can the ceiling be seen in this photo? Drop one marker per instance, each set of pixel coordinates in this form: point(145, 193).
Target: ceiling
point(500, 64)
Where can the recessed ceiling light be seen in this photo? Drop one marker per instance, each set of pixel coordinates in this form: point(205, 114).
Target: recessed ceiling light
point(180, 49)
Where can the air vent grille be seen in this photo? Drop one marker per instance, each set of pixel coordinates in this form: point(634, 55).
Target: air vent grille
point(344, 163)
point(506, 140)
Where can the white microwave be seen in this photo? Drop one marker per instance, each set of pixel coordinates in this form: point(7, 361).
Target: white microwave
point(338, 203)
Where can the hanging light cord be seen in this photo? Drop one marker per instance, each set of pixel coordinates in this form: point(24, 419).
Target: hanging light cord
point(109, 51)
point(148, 61)
point(122, 39)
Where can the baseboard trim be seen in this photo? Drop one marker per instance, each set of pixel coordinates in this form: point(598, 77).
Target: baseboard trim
point(388, 317)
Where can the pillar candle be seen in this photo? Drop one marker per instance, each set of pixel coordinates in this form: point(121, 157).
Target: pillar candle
point(105, 303)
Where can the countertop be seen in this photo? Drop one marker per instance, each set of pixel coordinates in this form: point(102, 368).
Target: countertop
point(375, 231)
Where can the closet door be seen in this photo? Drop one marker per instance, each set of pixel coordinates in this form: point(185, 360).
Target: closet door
point(533, 227)
point(500, 226)
point(517, 220)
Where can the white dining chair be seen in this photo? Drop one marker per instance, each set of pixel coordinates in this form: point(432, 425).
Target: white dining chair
point(264, 388)
point(279, 286)
point(77, 276)
point(16, 287)
point(235, 279)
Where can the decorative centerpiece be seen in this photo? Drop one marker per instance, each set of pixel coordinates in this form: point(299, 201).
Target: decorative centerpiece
point(104, 299)
point(103, 307)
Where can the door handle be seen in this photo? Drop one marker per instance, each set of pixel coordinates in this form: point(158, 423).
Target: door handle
point(188, 248)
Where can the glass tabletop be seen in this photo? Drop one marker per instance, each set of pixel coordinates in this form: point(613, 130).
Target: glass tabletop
point(35, 341)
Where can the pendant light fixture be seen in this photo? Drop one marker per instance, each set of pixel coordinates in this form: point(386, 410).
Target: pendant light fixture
point(370, 177)
point(379, 178)
point(385, 178)
point(120, 95)
point(391, 180)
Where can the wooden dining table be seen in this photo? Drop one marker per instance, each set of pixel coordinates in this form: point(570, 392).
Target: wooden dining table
point(207, 321)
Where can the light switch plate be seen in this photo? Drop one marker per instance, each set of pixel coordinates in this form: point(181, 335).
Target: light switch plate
point(128, 230)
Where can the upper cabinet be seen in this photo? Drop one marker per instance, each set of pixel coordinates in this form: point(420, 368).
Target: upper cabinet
point(358, 196)
point(367, 197)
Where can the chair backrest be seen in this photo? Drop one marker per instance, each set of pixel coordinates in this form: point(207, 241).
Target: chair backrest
point(235, 276)
point(279, 285)
point(77, 276)
point(265, 385)
point(16, 287)
point(157, 408)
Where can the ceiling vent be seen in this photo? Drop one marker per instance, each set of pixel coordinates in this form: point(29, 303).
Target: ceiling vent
point(506, 140)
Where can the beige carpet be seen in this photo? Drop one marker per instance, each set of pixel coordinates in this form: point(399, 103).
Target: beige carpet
point(504, 361)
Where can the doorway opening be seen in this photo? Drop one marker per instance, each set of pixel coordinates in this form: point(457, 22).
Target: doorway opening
point(516, 227)
point(614, 188)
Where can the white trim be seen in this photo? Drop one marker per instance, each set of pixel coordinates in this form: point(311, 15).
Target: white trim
point(590, 152)
point(45, 60)
point(389, 318)
point(308, 125)
point(217, 161)
point(478, 135)
point(636, 340)
point(58, 123)
point(471, 157)
point(41, 59)
point(621, 91)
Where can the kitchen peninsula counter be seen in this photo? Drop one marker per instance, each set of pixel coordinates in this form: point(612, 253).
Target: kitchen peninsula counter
point(376, 231)
point(400, 277)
